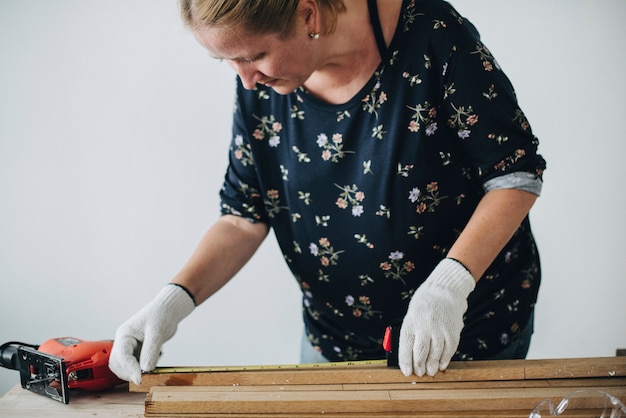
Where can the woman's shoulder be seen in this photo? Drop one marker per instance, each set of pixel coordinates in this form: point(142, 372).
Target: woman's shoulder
point(435, 17)
point(434, 26)
point(439, 9)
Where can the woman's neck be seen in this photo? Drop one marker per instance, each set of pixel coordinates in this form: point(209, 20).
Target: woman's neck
point(350, 53)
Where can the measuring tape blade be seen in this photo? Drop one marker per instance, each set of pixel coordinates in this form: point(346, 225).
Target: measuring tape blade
point(274, 367)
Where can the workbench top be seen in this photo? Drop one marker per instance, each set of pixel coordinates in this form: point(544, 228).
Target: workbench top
point(119, 402)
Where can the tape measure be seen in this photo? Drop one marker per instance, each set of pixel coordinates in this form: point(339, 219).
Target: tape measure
point(390, 345)
point(306, 366)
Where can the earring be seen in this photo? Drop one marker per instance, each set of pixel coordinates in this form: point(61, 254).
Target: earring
point(314, 35)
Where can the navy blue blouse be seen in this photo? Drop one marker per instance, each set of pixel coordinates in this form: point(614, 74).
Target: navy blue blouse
point(366, 197)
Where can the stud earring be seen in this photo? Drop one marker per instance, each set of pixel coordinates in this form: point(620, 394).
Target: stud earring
point(314, 35)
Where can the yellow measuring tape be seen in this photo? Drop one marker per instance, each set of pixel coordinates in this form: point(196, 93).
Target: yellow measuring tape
point(305, 366)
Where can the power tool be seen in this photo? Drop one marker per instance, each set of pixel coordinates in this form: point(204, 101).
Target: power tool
point(60, 364)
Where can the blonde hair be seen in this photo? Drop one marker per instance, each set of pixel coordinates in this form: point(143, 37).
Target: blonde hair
point(256, 16)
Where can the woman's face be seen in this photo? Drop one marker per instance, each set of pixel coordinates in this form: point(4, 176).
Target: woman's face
point(282, 64)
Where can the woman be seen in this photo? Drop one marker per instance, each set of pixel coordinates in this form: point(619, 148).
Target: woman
point(385, 148)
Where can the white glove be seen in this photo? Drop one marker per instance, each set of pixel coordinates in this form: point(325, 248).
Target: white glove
point(148, 330)
point(432, 326)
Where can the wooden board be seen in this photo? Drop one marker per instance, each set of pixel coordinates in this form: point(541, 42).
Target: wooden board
point(366, 403)
point(584, 413)
point(582, 367)
point(466, 389)
point(504, 384)
point(456, 372)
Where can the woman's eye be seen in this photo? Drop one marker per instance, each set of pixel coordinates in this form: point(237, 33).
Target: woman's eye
point(252, 59)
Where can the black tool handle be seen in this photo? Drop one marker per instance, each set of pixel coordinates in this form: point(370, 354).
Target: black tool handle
point(8, 354)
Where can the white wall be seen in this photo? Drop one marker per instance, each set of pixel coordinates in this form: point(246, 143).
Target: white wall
point(114, 127)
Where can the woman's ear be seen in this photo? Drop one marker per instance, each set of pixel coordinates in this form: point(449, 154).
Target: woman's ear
point(309, 12)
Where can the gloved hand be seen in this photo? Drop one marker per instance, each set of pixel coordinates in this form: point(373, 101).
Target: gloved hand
point(148, 330)
point(432, 326)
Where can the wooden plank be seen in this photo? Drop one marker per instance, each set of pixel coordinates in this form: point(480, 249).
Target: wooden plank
point(499, 370)
point(519, 384)
point(472, 414)
point(459, 371)
point(256, 388)
point(581, 383)
point(571, 413)
point(358, 402)
point(284, 402)
point(498, 399)
point(457, 414)
point(577, 367)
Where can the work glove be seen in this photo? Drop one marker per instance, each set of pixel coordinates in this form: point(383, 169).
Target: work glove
point(432, 326)
point(146, 331)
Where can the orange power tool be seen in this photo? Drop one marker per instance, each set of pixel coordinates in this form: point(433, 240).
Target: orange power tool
point(60, 364)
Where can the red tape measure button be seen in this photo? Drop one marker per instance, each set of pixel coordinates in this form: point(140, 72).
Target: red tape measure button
point(387, 340)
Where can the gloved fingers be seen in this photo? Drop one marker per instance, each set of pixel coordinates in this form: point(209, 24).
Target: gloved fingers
point(421, 351)
point(405, 351)
point(122, 362)
point(443, 364)
point(150, 350)
point(434, 355)
point(446, 356)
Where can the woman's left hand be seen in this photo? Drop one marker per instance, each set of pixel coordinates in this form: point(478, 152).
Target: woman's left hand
point(432, 327)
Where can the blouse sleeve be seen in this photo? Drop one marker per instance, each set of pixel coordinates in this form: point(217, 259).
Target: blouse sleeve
point(240, 194)
point(481, 108)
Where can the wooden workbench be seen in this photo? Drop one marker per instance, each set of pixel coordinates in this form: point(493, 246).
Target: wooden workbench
point(118, 403)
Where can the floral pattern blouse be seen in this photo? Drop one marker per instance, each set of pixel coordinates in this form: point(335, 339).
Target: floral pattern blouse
point(366, 197)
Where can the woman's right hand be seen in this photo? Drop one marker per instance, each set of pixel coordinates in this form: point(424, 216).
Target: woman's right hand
point(138, 341)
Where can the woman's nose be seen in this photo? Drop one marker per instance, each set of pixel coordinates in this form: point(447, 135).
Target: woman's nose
point(249, 75)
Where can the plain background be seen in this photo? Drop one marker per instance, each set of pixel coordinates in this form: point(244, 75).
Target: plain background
point(114, 128)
